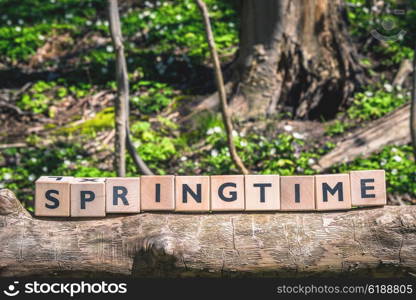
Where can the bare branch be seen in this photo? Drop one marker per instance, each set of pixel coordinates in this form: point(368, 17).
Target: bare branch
point(122, 137)
point(221, 89)
point(413, 107)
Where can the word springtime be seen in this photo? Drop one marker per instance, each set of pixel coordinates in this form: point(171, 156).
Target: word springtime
point(94, 197)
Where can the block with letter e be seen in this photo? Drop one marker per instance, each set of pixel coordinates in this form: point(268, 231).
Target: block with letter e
point(227, 193)
point(52, 197)
point(368, 188)
point(88, 197)
point(122, 195)
point(333, 192)
point(192, 193)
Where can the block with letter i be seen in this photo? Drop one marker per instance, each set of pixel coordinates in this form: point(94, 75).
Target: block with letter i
point(157, 193)
point(368, 188)
point(333, 192)
point(122, 195)
point(88, 197)
point(192, 193)
point(297, 193)
point(53, 196)
point(262, 192)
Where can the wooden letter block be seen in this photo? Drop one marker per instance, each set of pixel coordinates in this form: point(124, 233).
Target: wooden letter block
point(192, 193)
point(227, 193)
point(122, 195)
point(333, 192)
point(262, 192)
point(297, 193)
point(53, 196)
point(88, 197)
point(368, 188)
point(157, 193)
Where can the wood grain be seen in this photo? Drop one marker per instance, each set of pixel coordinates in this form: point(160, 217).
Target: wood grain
point(362, 242)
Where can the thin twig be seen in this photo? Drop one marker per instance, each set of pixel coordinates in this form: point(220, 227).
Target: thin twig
point(221, 89)
point(413, 107)
point(122, 137)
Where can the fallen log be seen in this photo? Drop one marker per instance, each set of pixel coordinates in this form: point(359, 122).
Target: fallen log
point(362, 242)
point(392, 129)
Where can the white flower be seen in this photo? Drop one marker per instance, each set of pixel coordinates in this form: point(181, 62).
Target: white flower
point(7, 176)
point(394, 150)
point(20, 22)
point(41, 37)
point(88, 23)
point(288, 127)
point(109, 48)
point(297, 135)
point(210, 131)
point(67, 162)
point(394, 172)
point(388, 87)
point(33, 159)
point(216, 129)
point(397, 158)
point(45, 169)
point(68, 16)
point(99, 23)
point(369, 94)
point(214, 152)
point(178, 17)
point(78, 156)
point(1, 185)
point(234, 133)
point(311, 161)
point(273, 151)
point(184, 158)
point(52, 1)
point(243, 143)
point(104, 70)
point(383, 162)
point(18, 28)
point(299, 169)
point(106, 23)
point(31, 177)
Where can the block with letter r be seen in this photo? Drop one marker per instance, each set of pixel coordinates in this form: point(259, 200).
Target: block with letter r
point(88, 197)
point(368, 188)
point(332, 192)
point(122, 195)
point(53, 196)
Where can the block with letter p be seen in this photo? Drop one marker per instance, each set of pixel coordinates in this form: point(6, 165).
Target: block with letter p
point(333, 192)
point(368, 188)
point(122, 195)
point(88, 197)
point(53, 196)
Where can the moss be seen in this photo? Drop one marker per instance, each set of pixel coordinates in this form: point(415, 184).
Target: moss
point(102, 120)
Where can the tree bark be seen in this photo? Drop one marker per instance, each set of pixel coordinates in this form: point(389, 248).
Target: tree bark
point(362, 242)
point(295, 56)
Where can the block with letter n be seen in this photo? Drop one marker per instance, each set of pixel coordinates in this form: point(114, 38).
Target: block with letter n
point(88, 197)
point(52, 196)
point(192, 193)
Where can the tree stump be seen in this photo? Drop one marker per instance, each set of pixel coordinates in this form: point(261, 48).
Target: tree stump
point(361, 242)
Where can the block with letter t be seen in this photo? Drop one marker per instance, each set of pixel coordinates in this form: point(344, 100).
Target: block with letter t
point(53, 196)
point(368, 188)
point(122, 195)
point(88, 197)
point(333, 192)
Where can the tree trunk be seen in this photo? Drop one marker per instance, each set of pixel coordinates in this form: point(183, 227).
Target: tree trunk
point(295, 56)
point(362, 242)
